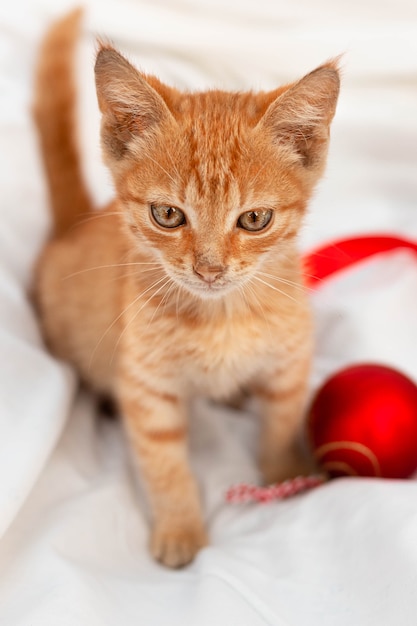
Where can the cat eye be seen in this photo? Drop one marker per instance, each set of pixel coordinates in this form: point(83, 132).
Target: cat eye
point(255, 220)
point(167, 216)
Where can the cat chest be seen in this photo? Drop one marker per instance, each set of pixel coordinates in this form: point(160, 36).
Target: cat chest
point(218, 361)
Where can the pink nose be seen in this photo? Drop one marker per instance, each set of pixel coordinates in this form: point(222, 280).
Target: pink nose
point(209, 273)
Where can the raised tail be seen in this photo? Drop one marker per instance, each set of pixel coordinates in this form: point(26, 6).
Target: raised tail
point(54, 113)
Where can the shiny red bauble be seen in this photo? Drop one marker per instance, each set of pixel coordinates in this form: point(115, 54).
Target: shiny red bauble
point(363, 422)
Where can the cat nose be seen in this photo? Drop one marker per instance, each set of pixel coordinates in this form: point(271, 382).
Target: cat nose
point(209, 273)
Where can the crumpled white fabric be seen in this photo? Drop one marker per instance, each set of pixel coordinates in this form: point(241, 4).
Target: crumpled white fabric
point(73, 518)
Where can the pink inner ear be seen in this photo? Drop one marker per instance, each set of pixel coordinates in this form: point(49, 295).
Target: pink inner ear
point(339, 255)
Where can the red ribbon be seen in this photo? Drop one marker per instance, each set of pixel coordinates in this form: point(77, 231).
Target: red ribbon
point(341, 254)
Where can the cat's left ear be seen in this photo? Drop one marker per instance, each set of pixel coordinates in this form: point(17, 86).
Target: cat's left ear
point(299, 119)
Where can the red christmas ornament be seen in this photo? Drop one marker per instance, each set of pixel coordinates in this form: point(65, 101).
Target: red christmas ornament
point(363, 422)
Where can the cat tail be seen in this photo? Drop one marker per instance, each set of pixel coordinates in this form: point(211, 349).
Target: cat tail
point(54, 112)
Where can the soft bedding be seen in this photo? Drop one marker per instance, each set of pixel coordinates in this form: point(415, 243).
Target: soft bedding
point(73, 517)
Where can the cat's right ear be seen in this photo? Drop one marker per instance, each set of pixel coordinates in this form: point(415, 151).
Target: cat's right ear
point(131, 109)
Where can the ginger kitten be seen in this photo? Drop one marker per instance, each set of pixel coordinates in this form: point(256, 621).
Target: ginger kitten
point(189, 282)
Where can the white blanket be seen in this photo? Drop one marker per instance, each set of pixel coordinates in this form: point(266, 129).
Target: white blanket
point(73, 522)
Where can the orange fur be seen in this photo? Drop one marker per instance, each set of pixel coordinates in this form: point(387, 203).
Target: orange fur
point(156, 315)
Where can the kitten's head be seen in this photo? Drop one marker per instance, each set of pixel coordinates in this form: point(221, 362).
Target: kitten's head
point(213, 183)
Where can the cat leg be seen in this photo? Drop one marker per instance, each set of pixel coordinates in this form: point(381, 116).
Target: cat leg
point(156, 425)
point(282, 397)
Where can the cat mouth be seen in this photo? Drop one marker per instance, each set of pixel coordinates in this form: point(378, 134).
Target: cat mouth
point(208, 290)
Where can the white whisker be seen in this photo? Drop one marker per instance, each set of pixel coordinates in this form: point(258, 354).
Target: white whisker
point(171, 284)
point(285, 281)
point(112, 265)
point(259, 303)
point(177, 301)
point(120, 315)
point(95, 216)
point(284, 293)
point(162, 168)
point(135, 273)
point(261, 169)
point(173, 165)
point(167, 280)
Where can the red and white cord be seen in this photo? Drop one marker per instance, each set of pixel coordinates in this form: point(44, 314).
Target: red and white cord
point(243, 492)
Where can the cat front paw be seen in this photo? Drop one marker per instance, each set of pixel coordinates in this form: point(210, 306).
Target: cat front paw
point(176, 544)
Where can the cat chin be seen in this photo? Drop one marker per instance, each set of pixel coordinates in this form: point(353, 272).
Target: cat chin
point(208, 293)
